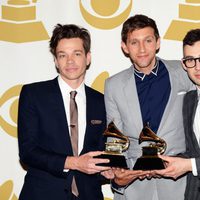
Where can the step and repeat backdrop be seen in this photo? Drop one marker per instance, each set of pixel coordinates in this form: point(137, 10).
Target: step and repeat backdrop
point(25, 29)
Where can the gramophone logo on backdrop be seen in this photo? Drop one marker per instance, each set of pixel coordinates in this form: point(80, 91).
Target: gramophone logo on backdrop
point(105, 11)
point(6, 191)
point(189, 14)
point(19, 24)
point(9, 101)
point(9, 106)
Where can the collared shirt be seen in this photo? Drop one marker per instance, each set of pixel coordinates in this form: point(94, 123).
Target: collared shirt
point(196, 128)
point(141, 75)
point(153, 93)
point(196, 125)
point(81, 104)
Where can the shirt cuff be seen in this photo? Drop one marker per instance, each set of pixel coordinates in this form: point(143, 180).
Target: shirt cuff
point(194, 167)
point(117, 188)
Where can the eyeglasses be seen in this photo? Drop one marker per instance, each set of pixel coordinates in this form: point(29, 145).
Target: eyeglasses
point(190, 62)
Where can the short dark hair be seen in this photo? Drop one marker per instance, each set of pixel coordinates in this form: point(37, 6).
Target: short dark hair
point(137, 22)
point(69, 31)
point(191, 37)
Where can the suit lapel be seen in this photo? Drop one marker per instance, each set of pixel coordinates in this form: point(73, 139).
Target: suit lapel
point(57, 104)
point(90, 107)
point(131, 99)
point(192, 105)
point(191, 108)
point(92, 113)
point(173, 94)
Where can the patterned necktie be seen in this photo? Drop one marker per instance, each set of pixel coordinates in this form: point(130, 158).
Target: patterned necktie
point(74, 133)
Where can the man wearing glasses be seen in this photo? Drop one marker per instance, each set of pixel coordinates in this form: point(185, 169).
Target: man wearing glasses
point(191, 115)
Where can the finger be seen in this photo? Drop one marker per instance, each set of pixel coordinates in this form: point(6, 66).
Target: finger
point(141, 177)
point(118, 170)
point(95, 153)
point(165, 158)
point(108, 174)
point(107, 169)
point(157, 176)
point(100, 168)
point(136, 172)
point(100, 160)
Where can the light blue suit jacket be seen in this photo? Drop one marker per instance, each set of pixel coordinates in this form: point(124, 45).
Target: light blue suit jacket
point(122, 106)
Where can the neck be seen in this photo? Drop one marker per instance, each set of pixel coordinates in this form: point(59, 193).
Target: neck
point(147, 69)
point(74, 84)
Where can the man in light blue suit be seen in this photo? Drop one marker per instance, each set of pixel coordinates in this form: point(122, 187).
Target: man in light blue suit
point(150, 92)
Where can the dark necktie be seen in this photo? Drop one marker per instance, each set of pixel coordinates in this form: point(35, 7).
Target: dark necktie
point(74, 133)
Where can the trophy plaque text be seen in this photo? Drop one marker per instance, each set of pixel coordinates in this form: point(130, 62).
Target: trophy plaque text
point(114, 148)
point(149, 159)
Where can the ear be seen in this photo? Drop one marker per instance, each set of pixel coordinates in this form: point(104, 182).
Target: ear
point(124, 48)
point(56, 62)
point(184, 67)
point(158, 44)
point(88, 57)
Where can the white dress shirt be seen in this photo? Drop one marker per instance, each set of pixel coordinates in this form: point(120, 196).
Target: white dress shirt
point(81, 104)
point(196, 128)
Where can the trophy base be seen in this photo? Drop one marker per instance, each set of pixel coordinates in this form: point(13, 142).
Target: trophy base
point(149, 163)
point(23, 32)
point(115, 160)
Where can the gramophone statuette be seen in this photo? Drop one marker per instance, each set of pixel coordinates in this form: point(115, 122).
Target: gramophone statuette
point(149, 159)
point(115, 147)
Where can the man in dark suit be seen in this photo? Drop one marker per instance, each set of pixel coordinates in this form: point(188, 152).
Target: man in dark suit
point(44, 128)
point(191, 116)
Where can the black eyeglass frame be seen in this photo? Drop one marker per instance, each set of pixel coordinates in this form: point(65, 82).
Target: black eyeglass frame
point(184, 60)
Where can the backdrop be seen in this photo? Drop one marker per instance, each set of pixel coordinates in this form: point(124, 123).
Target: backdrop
point(25, 29)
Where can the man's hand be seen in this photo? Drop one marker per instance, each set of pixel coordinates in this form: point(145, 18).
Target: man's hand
point(109, 174)
point(124, 177)
point(175, 167)
point(86, 163)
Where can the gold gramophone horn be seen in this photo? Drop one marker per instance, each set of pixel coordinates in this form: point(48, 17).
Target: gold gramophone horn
point(148, 135)
point(112, 131)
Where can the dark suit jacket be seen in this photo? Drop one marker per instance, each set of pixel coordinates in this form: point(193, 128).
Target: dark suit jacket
point(193, 151)
point(44, 142)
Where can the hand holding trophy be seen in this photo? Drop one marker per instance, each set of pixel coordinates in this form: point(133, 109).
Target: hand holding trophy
point(114, 148)
point(149, 159)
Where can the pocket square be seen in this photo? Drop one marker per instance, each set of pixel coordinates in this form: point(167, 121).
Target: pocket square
point(181, 93)
point(95, 121)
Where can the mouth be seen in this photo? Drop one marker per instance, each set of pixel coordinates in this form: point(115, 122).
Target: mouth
point(197, 76)
point(71, 69)
point(142, 56)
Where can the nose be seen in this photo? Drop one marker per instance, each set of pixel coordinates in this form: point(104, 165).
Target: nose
point(142, 47)
point(70, 59)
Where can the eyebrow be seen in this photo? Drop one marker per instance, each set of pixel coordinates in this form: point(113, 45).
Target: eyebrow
point(60, 52)
point(78, 50)
point(147, 37)
point(189, 57)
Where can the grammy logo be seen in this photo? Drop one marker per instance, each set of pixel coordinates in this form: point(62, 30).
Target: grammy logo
point(115, 147)
point(19, 22)
point(189, 19)
point(149, 159)
point(105, 10)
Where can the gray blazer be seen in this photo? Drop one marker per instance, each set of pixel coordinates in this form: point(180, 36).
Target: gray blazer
point(122, 106)
point(192, 146)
